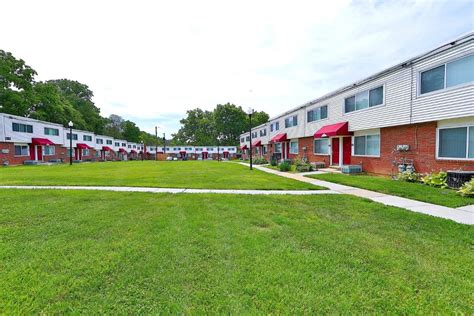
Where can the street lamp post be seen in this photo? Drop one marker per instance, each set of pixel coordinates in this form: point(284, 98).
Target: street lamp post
point(250, 112)
point(143, 149)
point(219, 139)
point(164, 145)
point(70, 124)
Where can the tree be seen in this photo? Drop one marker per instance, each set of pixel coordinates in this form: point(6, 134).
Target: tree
point(197, 129)
point(114, 126)
point(16, 85)
point(131, 132)
point(258, 118)
point(80, 97)
point(229, 122)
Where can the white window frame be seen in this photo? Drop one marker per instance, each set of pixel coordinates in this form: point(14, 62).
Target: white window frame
point(281, 148)
point(50, 154)
point(21, 145)
point(297, 147)
point(445, 89)
point(322, 154)
point(370, 134)
point(315, 108)
point(467, 143)
point(85, 152)
point(383, 85)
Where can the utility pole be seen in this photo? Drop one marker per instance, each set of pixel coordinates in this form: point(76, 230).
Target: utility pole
point(156, 143)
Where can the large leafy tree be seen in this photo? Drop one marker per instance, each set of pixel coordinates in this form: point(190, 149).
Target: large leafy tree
point(16, 85)
point(197, 128)
point(80, 97)
point(258, 118)
point(229, 122)
point(114, 126)
point(131, 132)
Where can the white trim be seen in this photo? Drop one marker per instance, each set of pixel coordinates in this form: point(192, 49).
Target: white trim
point(467, 143)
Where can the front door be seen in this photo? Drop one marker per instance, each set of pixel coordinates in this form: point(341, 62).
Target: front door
point(346, 151)
point(335, 151)
point(39, 152)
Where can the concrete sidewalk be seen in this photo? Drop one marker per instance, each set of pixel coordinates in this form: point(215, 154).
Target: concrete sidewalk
point(171, 190)
point(463, 215)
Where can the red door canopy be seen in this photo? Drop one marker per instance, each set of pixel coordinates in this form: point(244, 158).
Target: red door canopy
point(41, 141)
point(133, 151)
point(338, 129)
point(83, 146)
point(279, 138)
point(122, 150)
point(182, 152)
point(244, 147)
point(257, 143)
point(106, 148)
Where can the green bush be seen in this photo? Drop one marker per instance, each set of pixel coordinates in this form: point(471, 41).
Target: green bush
point(438, 180)
point(467, 189)
point(304, 167)
point(284, 166)
point(409, 176)
point(273, 162)
point(260, 161)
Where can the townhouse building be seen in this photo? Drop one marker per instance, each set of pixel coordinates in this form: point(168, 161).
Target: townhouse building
point(418, 112)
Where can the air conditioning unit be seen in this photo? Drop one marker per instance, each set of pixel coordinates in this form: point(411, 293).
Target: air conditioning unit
point(351, 169)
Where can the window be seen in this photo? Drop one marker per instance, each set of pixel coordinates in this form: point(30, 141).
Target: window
point(124, 145)
point(86, 152)
point(367, 145)
point(264, 149)
point(48, 150)
point(247, 138)
point(22, 128)
point(51, 131)
point(242, 139)
point(271, 127)
point(74, 136)
point(99, 141)
point(209, 149)
point(451, 74)
point(21, 150)
point(294, 147)
point(87, 138)
point(364, 100)
point(274, 126)
point(263, 132)
point(109, 142)
point(278, 147)
point(321, 146)
point(457, 142)
point(129, 146)
point(254, 134)
point(317, 114)
point(291, 121)
point(117, 144)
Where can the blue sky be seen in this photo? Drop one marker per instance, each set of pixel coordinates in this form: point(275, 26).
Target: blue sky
point(150, 61)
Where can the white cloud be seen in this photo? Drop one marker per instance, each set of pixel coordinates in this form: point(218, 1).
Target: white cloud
point(153, 60)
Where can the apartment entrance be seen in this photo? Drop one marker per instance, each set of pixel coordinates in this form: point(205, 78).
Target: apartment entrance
point(341, 151)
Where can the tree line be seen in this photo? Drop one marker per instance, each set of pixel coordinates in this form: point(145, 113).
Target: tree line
point(63, 100)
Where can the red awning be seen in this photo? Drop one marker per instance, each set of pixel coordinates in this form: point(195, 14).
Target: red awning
point(279, 138)
point(182, 152)
point(133, 151)
point(244, 147)
point(225, 151)
point(338, 129)
point(83, 146)
point(257, 143)
point(106, 148)
point(122, 150)
point(41, 141)
point(204, 151)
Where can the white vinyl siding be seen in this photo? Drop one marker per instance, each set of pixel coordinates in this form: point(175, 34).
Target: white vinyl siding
point(455, 143)
point(321, 146)
point(366, 145)
point(294, 147)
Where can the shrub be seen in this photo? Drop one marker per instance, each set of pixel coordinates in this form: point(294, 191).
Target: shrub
point(409, 176)
point(284, 166)
point(438, 180)
point(273, 161)
point(467, 189)
point(260, 161)
point(304, 167)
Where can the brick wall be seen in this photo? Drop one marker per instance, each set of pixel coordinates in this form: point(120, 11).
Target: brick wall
point(422, 141)
point(60, 153)
point(306, 149)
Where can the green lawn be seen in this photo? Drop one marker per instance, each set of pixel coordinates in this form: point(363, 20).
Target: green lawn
point(172, 174)
point(415, 191)
point(88, 252)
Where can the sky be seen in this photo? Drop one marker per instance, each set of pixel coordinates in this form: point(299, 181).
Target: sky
point(151, 61)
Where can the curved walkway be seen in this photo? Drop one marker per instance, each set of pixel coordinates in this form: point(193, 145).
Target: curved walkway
point(171, 190)
point(463, 215)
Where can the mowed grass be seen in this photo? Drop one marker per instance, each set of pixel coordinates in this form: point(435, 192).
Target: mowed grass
point(164, 174)
point(89, 252)
point(415, 191)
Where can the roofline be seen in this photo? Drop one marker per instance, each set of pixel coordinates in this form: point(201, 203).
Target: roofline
point(29, 119)
point(438, 49)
